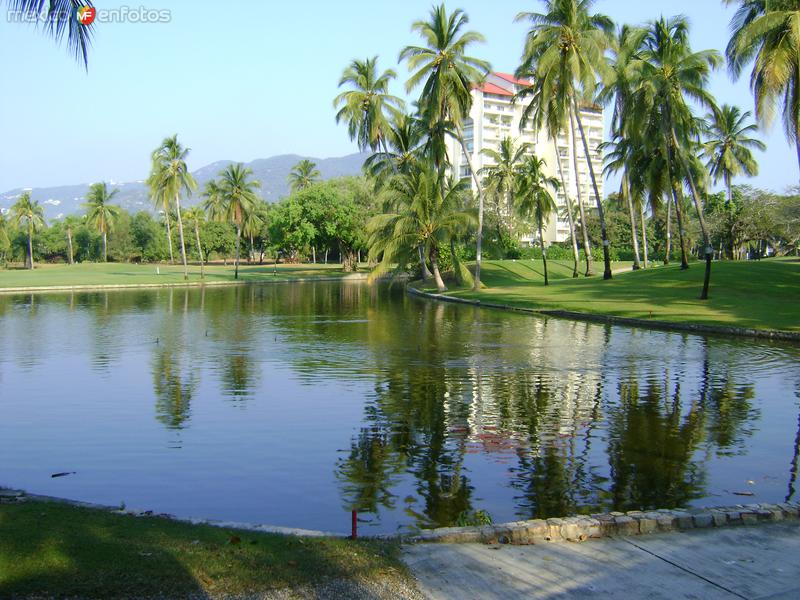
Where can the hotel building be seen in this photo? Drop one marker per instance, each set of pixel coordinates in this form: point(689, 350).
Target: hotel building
point(494, 116)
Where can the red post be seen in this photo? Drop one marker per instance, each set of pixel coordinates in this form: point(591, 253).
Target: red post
point(354, 527)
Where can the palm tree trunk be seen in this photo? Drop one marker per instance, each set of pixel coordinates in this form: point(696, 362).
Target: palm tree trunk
point(236, 260)
point(30, 245)
point(314, 254)
point(644, 235)
point(668, 232)
point(437, 276)
point(698, 205)
point(69, 246)
point(426, 274)
point(105, 246)
point(479, 242)
point(199, 249)
point(600, 213)
point(575, 255)
point(544, 252)
point(169, 237)
point(626, 190)
point(587, 248)
point(180, 235)
point(677, 196)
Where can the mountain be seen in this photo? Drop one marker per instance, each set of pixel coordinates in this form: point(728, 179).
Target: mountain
point(63, 200)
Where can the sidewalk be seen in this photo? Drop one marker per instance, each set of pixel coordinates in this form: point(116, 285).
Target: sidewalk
point(748, 562)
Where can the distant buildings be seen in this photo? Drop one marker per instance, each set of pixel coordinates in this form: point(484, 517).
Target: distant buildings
point(494, 116)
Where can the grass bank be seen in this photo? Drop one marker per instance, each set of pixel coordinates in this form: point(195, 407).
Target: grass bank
point(99, 274)
point(750, 294)
point(51, 549)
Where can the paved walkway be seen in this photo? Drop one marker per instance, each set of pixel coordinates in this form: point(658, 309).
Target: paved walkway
point(760, 562)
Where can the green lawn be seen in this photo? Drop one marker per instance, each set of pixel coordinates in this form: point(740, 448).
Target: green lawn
point(755, 294)
point(52, 549)
point(130, 274)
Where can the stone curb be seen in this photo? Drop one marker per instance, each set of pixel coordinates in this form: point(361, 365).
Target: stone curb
point(772, 334)
point(578, 528)
point(584, 527)
point(190, 284)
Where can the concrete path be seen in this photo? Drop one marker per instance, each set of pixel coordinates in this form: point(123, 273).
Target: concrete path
point(760, 562)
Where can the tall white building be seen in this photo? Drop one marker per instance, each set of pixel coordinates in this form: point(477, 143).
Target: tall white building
point(494, 116)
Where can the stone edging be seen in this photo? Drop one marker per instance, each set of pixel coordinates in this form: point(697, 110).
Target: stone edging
point(189, 284)
point(582, 528)
point(773, 334)
point(537, 531)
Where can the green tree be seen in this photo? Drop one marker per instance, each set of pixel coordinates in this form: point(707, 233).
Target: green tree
point(767, 33)
point(367, 106)
point(169, 178)
point(303, 174)
point(499, 179)
point(195, 216)
point(447, 76)
point(238, 192)
point(71, 223)
point(56, 18)
point(429, 215)
point(728, 145)
point(565, 53)
point(534, 200)
point(100, 213)
point(619, 85)
point(671, 73)
point(29, 214)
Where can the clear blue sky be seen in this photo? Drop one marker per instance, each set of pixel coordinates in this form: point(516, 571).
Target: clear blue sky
point(242, 80)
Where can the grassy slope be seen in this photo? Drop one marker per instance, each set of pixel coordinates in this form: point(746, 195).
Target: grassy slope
point(52, 549)
point(758, 294)
point(127, 274)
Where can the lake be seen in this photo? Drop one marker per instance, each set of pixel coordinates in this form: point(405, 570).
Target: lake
point(291, 404)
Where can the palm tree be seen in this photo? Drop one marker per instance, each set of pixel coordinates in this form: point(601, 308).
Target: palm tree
point(100, 214)
point(429, 213)
point(728, 145)
point(404, 148)
point(671, 72)
point(447, 76)
point(71, 222)
point(565, 51)
point(214, 203)
point(367, 106)
point(57, 20)
point(618, 86)
point(170, 177)
point(767, 33)
point(534, 199)
point(196, 216)
point(30, 213)
point(5, 242)
point(238, 194)
point(302, 175)
point(162, 203)
point(500, 179)
point(550, 113)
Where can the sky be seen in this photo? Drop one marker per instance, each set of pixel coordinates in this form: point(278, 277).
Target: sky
point(239, 80)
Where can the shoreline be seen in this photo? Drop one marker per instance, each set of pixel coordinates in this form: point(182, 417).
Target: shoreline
point(698, 329)
point(574, 528)
point(183, 284)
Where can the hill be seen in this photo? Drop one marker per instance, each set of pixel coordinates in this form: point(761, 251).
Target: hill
point(59, 201)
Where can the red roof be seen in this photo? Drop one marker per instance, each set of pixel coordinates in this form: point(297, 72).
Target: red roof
point(490, 88)
point(512, 79)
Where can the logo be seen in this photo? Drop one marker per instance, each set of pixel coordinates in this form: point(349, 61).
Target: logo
point(86, 15)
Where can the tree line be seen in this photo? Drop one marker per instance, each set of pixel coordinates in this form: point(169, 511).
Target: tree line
point(572, 58)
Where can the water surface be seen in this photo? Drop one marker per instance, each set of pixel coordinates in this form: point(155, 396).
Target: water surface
point(292, 404)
